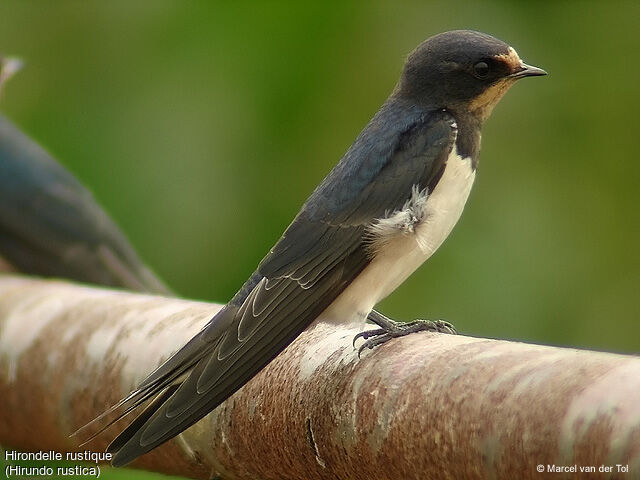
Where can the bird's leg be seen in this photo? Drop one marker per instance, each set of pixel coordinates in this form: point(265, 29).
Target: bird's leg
point(391, 329)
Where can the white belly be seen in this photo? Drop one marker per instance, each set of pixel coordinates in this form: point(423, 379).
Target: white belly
point(401, 247)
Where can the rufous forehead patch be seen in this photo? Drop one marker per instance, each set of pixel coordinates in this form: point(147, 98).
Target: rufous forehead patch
point(511, 58)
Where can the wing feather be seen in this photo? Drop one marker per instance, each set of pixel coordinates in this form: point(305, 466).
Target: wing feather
point(317, 257)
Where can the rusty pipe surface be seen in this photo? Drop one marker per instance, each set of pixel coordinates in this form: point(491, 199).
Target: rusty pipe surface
point(426, 406)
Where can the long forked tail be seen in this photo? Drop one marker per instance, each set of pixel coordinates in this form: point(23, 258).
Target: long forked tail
point(134, 426)
point(161, 384)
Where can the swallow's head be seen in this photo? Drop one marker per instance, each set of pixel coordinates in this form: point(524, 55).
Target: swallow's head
point(462, 70)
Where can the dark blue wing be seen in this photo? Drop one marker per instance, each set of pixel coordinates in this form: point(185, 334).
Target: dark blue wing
point(375, 177)
point(320, 253)
point(51, 225)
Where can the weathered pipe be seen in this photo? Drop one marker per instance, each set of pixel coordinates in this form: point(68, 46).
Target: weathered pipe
point(426, 406)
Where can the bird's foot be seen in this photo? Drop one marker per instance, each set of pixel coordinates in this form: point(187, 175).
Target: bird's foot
point(391, 329)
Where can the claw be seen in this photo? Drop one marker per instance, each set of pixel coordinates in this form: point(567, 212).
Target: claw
point(379, 336)
point(367, 333)
point(373, 342)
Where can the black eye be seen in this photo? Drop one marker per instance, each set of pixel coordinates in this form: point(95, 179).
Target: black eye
point(481, 70)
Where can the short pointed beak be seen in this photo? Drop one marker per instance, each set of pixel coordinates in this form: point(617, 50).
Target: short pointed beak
point(528, 71)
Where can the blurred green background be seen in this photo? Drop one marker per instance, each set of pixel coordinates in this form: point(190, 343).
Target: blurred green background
point(203, 126)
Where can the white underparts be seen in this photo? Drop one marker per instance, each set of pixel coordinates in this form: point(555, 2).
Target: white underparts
point(402, 240)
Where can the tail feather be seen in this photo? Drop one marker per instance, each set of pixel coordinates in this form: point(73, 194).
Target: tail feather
point(135, 398)
point(182, 360)
point(166, 378)
point(140, 420)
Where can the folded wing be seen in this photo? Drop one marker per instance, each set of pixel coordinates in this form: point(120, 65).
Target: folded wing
point(319, 254)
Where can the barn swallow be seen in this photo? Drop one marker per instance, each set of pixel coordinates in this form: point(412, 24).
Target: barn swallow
point(379, 214)
point(50, 225)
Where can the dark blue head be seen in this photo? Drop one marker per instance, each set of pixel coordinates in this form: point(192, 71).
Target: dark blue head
point(462, 70)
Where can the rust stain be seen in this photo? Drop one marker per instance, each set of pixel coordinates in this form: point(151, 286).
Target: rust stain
point(52, 393)
point(427, 406)
point(6, 266)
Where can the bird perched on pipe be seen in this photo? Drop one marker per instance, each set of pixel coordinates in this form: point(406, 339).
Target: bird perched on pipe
point(379, 214)
point(51, 225)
